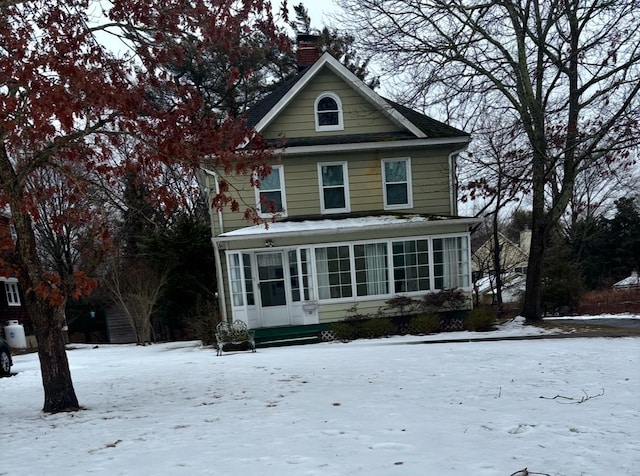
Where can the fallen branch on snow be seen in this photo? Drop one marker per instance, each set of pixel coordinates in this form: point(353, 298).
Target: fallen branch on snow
point(572, 399)
point(526, 472)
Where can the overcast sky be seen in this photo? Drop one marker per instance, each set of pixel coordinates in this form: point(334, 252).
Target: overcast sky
point(318, 10)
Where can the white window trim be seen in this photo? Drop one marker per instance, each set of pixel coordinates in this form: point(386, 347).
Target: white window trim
point(283, 213)
point(409, 203)
point(389, 241)
point(11, 290)
point(347, 200)
point(336, 98)
point(313, 271)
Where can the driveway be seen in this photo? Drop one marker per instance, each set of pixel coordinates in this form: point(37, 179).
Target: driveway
point(600, 321)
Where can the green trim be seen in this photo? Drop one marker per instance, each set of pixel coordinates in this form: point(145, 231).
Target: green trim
point(288, 335)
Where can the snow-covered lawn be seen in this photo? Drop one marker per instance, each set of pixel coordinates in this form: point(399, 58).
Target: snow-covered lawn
point(378, 407)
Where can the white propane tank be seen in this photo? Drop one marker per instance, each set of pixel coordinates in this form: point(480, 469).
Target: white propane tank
point(14, 333)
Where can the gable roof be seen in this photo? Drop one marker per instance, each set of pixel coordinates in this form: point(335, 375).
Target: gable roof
point(416, 125)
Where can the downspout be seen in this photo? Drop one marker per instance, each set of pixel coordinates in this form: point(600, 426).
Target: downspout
point(222, 301)
point(453, 195)
point(222, 298)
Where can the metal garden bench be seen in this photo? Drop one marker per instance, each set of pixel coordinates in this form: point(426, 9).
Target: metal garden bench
point(236, 334)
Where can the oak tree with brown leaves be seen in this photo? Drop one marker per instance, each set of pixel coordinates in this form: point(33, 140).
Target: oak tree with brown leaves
point(78, 78)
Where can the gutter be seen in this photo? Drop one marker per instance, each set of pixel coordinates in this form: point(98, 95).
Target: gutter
point(312, 149)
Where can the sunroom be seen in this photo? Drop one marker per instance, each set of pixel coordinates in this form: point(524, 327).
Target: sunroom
point(310, 271)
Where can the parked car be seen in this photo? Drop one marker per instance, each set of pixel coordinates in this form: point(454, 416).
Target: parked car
point(5, 358)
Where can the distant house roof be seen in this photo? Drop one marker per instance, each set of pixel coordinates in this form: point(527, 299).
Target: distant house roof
point(415, 125)
point(629, 282)
point(509, 280)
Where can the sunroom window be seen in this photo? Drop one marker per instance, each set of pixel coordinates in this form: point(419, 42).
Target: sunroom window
point(451, 262)
point(328, 112)
point(333, 265)
point(372, 270)
point(299, 271)
point(411, 266)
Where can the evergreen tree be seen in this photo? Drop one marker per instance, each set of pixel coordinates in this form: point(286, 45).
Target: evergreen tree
point(607, 249)
point(339, 44)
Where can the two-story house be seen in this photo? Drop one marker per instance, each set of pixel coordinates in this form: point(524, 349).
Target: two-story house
point(366, 205)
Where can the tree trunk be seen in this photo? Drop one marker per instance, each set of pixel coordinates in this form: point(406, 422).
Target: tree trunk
point(532, 307)
point(47, 315)
point(59, 395)
point(497, 254)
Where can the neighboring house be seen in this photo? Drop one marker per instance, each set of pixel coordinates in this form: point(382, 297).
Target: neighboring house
point(629, 283)
point(513, 288)
point(514, 259)
point(11, 298)
point(365, 202)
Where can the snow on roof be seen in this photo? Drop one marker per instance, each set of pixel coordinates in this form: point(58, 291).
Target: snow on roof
point(629, 282)
point(509, 280)
point(326, 226)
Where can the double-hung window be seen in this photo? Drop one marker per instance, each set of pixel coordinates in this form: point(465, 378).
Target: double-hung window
point(334, 187)
point(396, 183)
point(270, 194)
point(13, 295)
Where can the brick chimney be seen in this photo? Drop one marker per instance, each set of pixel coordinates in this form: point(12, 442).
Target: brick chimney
point(307, 52)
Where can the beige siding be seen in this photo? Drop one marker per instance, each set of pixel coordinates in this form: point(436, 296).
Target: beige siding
point(359, 116)
point(338, 311)
point(430, 181)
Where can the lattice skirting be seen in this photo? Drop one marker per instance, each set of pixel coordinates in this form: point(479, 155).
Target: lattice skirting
point(327, 335)
point(451, 324)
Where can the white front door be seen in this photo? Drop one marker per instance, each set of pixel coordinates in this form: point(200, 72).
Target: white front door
point(272, 289)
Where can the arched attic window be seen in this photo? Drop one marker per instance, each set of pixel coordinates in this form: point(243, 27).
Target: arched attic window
point(328, 112)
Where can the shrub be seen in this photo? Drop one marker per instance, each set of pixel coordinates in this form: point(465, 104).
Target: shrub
point(450, 299)
point(402, 305)
point(346, 330)
point(202, 324)
point(610, 301)
point(203, 327)
point(424, 324)
point(481, 318)
point(377, 327)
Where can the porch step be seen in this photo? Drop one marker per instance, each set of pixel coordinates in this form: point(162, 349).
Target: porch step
point(289, 335)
